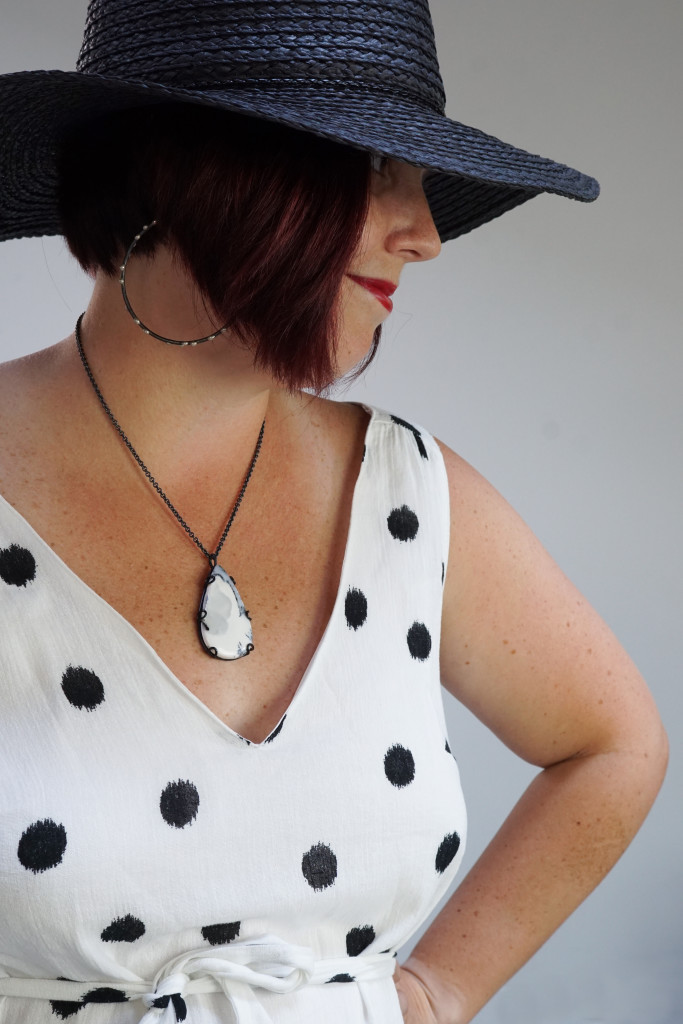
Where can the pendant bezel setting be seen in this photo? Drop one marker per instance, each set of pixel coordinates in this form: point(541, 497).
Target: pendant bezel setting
point(223, 622)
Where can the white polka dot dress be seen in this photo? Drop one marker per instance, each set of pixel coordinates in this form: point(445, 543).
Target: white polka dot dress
point(154, 865)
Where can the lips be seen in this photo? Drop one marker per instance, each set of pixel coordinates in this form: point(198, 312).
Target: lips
point(379, 288)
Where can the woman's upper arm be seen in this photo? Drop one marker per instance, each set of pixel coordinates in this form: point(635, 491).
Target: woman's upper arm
point(520, 646)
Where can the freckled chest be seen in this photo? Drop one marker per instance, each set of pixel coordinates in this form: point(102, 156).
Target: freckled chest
point(285, 551)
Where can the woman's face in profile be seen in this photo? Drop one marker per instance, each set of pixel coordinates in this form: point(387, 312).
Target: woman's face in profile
point(399, 229)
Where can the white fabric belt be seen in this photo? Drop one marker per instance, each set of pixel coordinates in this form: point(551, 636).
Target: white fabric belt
point(236, 969)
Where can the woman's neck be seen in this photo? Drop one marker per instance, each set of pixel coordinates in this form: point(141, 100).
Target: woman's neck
point(179, 402)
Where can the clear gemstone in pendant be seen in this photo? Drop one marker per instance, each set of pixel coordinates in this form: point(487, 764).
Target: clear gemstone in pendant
point(224, 624)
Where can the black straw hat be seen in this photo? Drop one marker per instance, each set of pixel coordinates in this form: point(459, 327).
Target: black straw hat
point(362, 72)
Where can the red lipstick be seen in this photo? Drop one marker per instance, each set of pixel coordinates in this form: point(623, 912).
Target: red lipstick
point(379, 288)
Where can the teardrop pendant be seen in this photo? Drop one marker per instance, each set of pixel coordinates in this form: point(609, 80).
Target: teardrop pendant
point(224, 623)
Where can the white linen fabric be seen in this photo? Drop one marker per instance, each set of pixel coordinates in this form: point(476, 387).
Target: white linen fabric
point(154, 865)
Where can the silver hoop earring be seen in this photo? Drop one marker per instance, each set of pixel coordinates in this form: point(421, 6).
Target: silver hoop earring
point(136, 318)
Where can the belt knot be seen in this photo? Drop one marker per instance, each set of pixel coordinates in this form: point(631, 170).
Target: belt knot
point(169, 991)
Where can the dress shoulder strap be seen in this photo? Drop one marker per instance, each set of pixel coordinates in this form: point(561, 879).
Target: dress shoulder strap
point(408, 473)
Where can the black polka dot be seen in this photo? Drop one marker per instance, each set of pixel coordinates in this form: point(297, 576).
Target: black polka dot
point(399, 766)
point(319, 867)
point(276, 730)
point(419, 641)
point(219, 934)
point(355, 608)
point(17, 566)
point(82, 688)
point(42, 845)
point(105, 995)
point(359, 939)
point(448, 749)
point(179, 803)
point(403, 523)
point(447, 851)
point(64, 1008)
point(340, 977)
point(123, 929)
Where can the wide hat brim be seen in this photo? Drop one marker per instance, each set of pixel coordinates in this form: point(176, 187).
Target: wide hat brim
point(473, 177)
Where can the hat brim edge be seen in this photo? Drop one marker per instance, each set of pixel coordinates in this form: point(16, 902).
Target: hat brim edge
point(462, 159)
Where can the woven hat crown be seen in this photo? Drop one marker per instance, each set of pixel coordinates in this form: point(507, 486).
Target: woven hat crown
point(384, 46)
point(363, 73)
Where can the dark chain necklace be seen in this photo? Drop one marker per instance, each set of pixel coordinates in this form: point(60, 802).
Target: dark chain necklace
point(224, 623)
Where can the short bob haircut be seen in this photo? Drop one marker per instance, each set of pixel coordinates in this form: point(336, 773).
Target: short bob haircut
point(266, 219)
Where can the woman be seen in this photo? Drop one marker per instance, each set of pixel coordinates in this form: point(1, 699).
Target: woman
point(191, 833)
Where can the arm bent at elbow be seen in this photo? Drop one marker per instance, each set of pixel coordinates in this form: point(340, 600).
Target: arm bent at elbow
point(526, 653)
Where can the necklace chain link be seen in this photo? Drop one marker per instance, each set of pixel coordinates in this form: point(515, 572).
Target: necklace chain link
point(211, 556)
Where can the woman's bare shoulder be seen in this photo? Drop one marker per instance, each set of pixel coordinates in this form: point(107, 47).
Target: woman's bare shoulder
point(521, 647)
point(22, 379)
point(333, 425)
point(18, 394)
point(30, 409)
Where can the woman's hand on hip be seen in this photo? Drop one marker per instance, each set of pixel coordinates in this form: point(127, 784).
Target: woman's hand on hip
point(422, 996)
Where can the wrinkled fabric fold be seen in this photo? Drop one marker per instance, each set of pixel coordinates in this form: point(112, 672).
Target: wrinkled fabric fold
point(237, 969)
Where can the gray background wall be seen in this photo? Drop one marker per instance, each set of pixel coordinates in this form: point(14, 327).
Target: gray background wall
point(546, 349)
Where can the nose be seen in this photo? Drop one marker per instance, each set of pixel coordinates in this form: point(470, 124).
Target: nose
point(412, 232)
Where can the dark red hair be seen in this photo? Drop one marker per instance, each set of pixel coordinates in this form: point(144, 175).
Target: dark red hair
point(265, 218)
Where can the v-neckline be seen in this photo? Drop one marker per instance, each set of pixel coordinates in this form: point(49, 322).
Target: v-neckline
point(139, 639)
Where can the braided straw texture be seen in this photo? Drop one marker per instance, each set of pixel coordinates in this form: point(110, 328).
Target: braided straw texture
point(361, 72)
point(385, 44)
